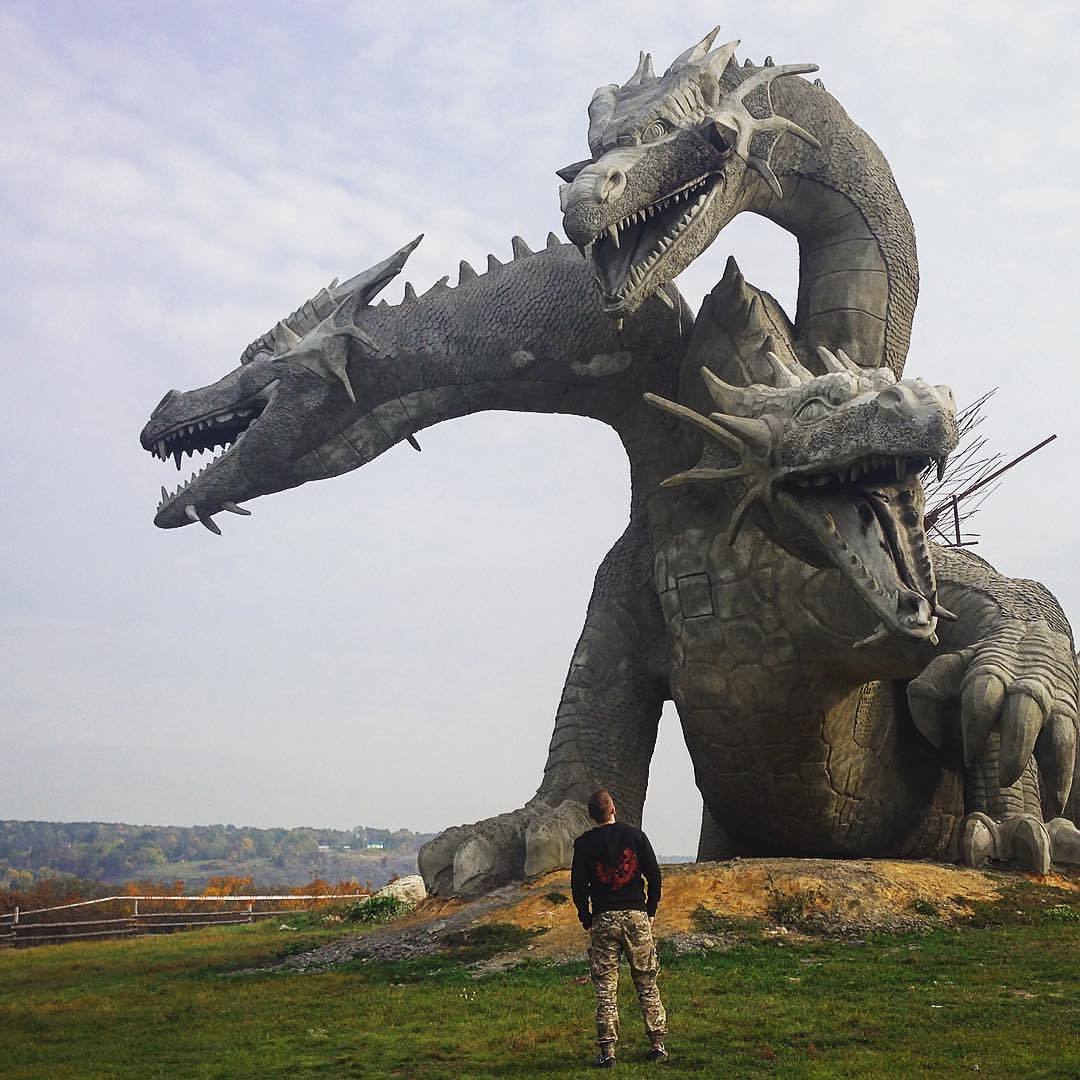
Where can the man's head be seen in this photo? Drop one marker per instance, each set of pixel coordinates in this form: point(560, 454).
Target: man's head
point(601, 807)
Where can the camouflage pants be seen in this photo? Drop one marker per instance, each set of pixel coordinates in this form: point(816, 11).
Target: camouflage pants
point(615, 932)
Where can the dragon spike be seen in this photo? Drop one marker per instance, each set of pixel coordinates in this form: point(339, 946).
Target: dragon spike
point(766, 75)
point(553, 241)
point(832, 362)
point(850, 364)
point(717, 61)
point(731, 113)
point(783, 375)
point(285, 337)
point(702, 475)
point(795, 366)
point(764, 170)
point(782, 123)
point(635, 79)
point(332, 286)
point(733, 277)
point(335, 363)
point(493, 264)
point(738, 516)
point(695, 53)
point(752, 433)
point(727, 397)
point(368, 284)
point(465, 272)
point(519, 247)
point(354, 332)
point(410, 293)
point(703, 422)
point(439, 286)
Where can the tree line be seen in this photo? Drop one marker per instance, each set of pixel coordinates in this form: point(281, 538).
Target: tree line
point(102, 851)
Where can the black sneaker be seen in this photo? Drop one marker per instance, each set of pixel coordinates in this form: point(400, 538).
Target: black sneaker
point(605, 1060)
point(658, 1053)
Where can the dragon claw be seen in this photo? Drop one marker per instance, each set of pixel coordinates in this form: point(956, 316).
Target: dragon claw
point(467, 860)
point(1022, 839)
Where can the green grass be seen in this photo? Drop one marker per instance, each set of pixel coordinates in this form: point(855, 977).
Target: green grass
point(1000, 996)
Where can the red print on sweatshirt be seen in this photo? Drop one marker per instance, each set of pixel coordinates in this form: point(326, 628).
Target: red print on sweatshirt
point(621, 874)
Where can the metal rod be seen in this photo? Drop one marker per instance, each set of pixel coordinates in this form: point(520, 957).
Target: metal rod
point(937, 511)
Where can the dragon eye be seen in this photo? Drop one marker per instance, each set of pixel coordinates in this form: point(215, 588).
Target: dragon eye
point(656, 130)
point(814, 409)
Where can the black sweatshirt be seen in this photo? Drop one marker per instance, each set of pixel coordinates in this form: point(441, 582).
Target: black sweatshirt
point(609, 864)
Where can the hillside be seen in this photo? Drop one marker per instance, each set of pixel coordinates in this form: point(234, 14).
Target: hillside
point(31, 851)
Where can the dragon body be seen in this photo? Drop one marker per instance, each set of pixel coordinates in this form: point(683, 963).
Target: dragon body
point(845, 687)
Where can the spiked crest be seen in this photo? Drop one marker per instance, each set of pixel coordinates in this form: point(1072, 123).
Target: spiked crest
point(327, 302)
point(691, 90)
point(316, 335)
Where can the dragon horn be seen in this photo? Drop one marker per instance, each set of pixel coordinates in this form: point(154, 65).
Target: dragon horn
point(727, 397)
point(643, 74)
point(696, 52)
point(784, 124)
point(706, 476)
point(764, 170)
point(832, 363)
point(717, 61)
point(366, 285)
point(731, 441)
point(850, 364)
point(753, 433)
point(784, 376)
point(738, 517)
point(285, 337)
point(768, 74)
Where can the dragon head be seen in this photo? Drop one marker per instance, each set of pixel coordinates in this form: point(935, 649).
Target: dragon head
point(291, 392)
point(831, 464)
point(671, 162)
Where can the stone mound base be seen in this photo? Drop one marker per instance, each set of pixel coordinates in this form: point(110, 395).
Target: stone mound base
point(705, 905)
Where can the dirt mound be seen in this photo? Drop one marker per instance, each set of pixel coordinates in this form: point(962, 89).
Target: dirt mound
point(705, 905)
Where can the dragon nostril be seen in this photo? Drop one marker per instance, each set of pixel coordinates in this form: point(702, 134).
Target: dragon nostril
point(891, 400)
point(614, 185)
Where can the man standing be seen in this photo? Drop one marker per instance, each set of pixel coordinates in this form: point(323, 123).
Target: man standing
point(611, 865)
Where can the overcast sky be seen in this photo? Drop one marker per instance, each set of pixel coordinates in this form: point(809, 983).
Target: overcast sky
point(388, 647)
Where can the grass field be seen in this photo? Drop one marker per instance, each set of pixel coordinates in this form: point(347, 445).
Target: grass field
point(997, 998)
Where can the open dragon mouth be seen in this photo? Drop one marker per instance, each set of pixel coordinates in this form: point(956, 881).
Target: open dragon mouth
point(633, 252)
point(223, 428)
point(868, 517)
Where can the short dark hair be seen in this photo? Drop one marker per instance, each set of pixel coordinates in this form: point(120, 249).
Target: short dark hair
point(601, 805)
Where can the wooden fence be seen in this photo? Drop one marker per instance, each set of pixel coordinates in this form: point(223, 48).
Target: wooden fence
point(40, 926)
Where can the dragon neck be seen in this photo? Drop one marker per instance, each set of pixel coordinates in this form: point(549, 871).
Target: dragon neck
point(859, 275)
point(527, 336)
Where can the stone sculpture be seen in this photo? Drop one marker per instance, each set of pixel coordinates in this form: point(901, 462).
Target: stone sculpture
point(845, 686)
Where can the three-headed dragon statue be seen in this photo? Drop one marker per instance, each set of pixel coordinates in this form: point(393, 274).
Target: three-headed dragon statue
point(845, 686)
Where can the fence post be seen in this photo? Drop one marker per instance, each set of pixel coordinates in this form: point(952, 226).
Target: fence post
point(136, 903)
point(15, 921)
